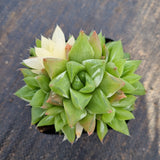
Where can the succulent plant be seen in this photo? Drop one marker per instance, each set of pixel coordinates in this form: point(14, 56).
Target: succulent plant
point(82, 84)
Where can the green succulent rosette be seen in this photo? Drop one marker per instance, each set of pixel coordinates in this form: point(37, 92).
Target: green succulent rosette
point(83, 84)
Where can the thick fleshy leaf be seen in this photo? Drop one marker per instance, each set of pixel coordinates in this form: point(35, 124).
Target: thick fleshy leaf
point(107, 117)
point(38, 99)
point(129, 100)
point(38, 43)
point(79, 130)
point(77, 84)
point(59, 43)
point(110, 84)
point(95, 68)
point(42, 52)
point(61, 85)
point(89, 85)
point(132, 78)
point(55, 99)
point(102, 39)
point(96, 45)
point(120, 65)
point(71, 41)
point(117, 96)
point(63, 116)
point(69, 133)
point(32, 52)
point(58, 122)
point(31, 82)
point(43, 82)
point(112, 69)
point(46, 105)
point(81, 49)
point(119, 125)
point(89, 123)
point(130, 67)
point(54, 66)
point(80, 100)
point(48, 45)
point(139, 88)
point(73, 114)
point(46, 121)
point(34, 63)
point(73, 68)
point(123, 114)
point(25, 93)
point(36, 114)
point(53, 111)
point(127, 88)
point(101, 130)
point(27, 72)
point(105, 53)
point(115, 49)
point(99, 103)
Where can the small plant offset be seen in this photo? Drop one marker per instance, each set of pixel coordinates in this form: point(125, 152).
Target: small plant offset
point(83, 84)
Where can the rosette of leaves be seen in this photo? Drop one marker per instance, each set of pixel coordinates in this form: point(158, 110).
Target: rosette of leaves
point(92, 88)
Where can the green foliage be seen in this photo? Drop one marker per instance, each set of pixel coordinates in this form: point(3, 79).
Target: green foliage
point(93, 88)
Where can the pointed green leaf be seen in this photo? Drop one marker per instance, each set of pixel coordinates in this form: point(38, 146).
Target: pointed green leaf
point(119, 125)
point(110, 84)
point(115, 50)
point(101, 38)
point(105, 53)
point(55, 99)
point(32, 52)
point(63, 116)
point(120, 65)
point(80, 100)
point(77, 84)
point(46, 121)
point(38, 43)
point(129, 100)
point(101, 130)
point(89, 123)
point(61, 85)
point(73, 114)
point(81, 49)
point(130, 67)
point(96, 45)
point(107, 117)
point(95, 68)
point(38, 99)
point(132, 78)
point(31, 82)
point(58, 123)
point(117, 96)
point(43, 82)
point(123, 114)
point(112, 69)
point(27, 72)
point(139, 89)
point(25, 93)
point(54, 110)
point(46, 105)
point(89, 85)
point(99, 103)
point(73, 68)
point(127, 88)
point(54, 66)
point(82, 76)
point(37, 114)
point(69, 133)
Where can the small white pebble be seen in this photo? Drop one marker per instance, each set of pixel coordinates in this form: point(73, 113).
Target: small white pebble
point(6, 62)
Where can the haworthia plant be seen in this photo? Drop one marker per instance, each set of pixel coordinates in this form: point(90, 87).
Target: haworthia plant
point(92, 88)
